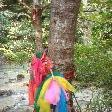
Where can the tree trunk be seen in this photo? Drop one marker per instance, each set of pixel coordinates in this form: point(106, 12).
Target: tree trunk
point(36, 18)
point(62, 36)
point(62, 33)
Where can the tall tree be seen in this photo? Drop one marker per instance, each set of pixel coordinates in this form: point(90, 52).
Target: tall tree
point(36, 17)
point(61, 42)
point(37, 9)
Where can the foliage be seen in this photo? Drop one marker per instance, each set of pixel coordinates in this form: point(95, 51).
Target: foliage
point(8, 54)
point(45, 25)
point(93, 64)
point(94, 59)
point(17, 37)
point(17, 32)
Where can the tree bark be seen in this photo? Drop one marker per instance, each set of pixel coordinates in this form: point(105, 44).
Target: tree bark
point(62, 34)
point(36, 19)
point(38, 8)
point(62, 37)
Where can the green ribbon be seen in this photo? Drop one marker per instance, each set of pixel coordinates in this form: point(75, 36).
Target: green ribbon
point(38, 54)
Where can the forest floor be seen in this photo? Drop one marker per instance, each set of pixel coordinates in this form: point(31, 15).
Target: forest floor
point(14, 96)
point(14, 89)
point(14, 93)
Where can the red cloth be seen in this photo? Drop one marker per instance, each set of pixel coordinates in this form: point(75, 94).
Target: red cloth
point(36, 66)
point(47, 63)
point(69, 75)
point(40, 68)
point(32, 90)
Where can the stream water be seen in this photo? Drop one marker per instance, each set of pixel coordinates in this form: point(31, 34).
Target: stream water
point(14, 94)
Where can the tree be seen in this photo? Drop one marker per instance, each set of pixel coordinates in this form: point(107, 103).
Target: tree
point(37, 9)
point(33, 10)
point(62, 30)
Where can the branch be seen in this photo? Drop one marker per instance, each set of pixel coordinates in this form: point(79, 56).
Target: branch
point(25, 5)
point(23, 14)
point(90, 10)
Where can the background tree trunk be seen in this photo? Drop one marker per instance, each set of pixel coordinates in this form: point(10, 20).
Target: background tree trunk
point(62, 33)
point(38, 7)
point(36, 18)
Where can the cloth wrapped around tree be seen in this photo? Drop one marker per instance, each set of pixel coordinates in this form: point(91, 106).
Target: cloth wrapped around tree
point(40, 67)
point(52, 91)
point(48, 88)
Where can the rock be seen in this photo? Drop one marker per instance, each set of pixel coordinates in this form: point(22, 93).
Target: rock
point(6, 82)
point(26, 84)
point(5, 109)
point(20, 77)
point(6, 92)
point(12, 80)
point(1, 77)
point(2, 59)
point(24, 109)
point(23, 98)
point(18, 109)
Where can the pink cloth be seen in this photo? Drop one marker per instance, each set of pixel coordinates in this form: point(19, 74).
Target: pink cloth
point(52, 95)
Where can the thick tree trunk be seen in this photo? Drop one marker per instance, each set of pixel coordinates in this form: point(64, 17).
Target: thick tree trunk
point(62, 36)
point(62, 33)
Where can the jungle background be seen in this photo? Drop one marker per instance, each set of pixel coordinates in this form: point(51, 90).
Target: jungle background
point(93, 46)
